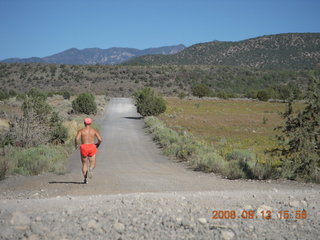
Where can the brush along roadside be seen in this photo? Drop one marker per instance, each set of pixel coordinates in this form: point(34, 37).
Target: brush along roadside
point(185, 147)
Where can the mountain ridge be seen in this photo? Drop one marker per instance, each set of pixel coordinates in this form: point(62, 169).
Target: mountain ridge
point(114, 55)
point(286, 50)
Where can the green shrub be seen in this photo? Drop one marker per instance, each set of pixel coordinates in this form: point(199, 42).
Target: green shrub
point(225, 95)
point(3, 167)
point(208, 160)
point(31, 129)
point(263, 95)
point(251, 94)
point(201, 90)
point(35, 160)
point(235, 170)
point(85, 103)
point(4, 95)
point(59, 134)
point(66, 95)
point(240, 155)
point(148, 103)
point(182, 95)
point(36, 93)
point(264, 171)
point(184, 146)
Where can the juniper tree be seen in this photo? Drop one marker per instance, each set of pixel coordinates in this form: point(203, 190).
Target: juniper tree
point(149, 103)
point(300, 154)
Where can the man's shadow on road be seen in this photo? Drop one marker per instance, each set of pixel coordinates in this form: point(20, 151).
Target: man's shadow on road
point(56, 182)
point(133, 118)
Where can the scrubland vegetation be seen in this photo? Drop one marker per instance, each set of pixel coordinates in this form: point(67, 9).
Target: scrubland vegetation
point(170, 80)
point(240, 132)
point(39, 136)
point(244, 139)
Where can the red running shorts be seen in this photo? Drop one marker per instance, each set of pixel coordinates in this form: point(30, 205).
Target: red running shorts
point(88, 150)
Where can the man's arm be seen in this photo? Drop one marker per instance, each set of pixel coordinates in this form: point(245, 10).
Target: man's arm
point(99, 138)
point(77, 138)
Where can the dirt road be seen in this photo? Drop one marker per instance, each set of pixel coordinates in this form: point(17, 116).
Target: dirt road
point(135, 187)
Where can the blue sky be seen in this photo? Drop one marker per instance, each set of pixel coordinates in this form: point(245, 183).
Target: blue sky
point(43, 27)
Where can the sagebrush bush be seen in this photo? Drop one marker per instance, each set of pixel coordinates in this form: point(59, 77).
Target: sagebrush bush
point(59, 134)
point(207, 160)
point(85, 103)
point(240, 155)
point(35, 160)
point(264, 171)
point(184, 146)
point(3, 167)
point(66, 95)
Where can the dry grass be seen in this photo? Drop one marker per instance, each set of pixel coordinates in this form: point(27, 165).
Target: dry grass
point(228, 124)
point(30, 161)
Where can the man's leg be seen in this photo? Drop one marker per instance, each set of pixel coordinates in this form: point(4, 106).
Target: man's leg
point(84, 166)
point(92, 165)
point(92, 162)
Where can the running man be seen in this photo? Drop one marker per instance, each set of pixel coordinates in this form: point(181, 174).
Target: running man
point(88, 148)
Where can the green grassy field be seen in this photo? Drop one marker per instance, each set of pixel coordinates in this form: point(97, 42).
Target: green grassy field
point(228, 125)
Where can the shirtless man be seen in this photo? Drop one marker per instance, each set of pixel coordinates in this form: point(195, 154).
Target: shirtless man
point(88, 148)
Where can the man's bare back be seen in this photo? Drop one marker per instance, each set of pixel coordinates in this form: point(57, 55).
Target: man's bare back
point(88, 135)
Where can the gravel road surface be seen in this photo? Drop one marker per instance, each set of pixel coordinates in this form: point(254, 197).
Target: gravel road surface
point(137, 193)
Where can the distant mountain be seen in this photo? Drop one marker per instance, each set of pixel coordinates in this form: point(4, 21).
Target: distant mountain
point(292, 50)
point(97, 55)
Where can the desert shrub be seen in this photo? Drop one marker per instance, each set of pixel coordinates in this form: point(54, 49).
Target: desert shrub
point(263, 95)
point(240, 155)
point(235, 170)
point(72, 127)
point(264, 171)
point(85, 103)
point(4, 94)
point(182, 95)
point(12, 93)
point(35, 160)
point(186, 147)
point(207, 160)
point(3, 167)
point(225, 95)
point(36, 93)
point(239, 166)
point(251, 93)
point(59, 134)
point(66, 95)
point(32, 127)
point(148, 103)
point(201, 90)
point(285, 92)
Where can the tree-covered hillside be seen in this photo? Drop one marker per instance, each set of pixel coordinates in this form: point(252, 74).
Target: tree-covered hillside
point(282, 51)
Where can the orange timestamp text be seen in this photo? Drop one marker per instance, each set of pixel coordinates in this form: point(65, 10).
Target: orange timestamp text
point(265, 214)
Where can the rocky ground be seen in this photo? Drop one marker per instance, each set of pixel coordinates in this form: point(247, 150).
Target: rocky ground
point(175, 215)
